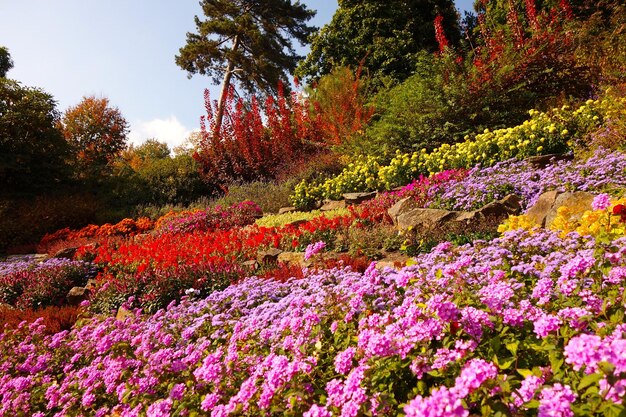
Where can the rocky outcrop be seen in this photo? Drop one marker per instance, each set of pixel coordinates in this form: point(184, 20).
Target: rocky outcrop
point(358, 198)
point(576, 203)
point(269, 256)
point(67, 253)
point(542, 161)
point(539, 211)
point(293, 258)
point(406, 215)
point(333, 205)
point(77, 295)
point(284, 210)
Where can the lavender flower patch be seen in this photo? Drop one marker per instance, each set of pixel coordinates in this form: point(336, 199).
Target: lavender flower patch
point(604, 171)
point(503, 325)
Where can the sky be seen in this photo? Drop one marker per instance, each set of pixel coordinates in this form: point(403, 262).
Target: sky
point(120, 49)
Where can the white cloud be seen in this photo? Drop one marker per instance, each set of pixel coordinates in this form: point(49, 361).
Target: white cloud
point(170, 131)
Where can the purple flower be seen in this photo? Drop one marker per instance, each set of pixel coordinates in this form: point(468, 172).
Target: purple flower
point(441, 403)
point(317, 411)
point(527, 390)
point(547, 324)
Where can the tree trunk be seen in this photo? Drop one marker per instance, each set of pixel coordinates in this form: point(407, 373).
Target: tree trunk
point(225, 87)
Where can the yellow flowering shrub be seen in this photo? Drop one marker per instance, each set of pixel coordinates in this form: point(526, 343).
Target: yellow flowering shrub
point(517, 222)
point(555, 131)
point(603, 225)
point(278, 220)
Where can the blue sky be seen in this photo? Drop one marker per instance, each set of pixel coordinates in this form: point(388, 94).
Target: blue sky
point(120, 49)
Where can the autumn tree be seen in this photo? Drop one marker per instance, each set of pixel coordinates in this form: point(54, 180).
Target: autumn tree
point(95, 131)
point(248, 40)
point(383, 35)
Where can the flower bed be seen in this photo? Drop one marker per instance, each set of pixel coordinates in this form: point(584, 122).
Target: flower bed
point(543, 133)
point(30, 285)
point(212, 218)
point(526, 322)
point(603, 171)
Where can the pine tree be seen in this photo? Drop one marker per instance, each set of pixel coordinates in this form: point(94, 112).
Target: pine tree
point(250, 40)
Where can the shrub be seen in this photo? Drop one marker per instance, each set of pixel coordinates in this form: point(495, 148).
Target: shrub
point(210, 219)
point(278, 220)
point(543, 133)
point(27, 220)
point(506, 325)
point(54, 319)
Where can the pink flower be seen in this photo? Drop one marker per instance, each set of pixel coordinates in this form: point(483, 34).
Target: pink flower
point(601, 202)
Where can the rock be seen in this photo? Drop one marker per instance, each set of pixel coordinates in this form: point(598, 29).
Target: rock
point(293, 258)
point(284, 210)
point(251, 265)
point(576, 202)
point(67, 253)
point(91, 285)
point(296, 223)
point(358, 198)
point(395, 261)
point(333, 205)
point(402, 206)
point(511, 204)
point(77, 295)
point(123, 313)
point(269, 256)
point(542, 161)
point(539, 211)
point(423, 218)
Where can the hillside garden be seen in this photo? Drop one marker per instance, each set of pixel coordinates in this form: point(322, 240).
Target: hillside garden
point(448, 243)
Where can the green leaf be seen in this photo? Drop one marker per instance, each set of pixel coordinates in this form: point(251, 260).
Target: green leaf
point(525, 372)
point(512, 347)
point(612, 410)
point(588, 380)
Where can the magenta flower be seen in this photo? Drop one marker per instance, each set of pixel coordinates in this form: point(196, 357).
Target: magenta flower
point(313, 249)
point(601, 202)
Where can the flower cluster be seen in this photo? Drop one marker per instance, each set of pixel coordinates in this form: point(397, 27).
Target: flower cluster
point(212, 218)
point(125, 227)
point(36, 285)
point(452, 334)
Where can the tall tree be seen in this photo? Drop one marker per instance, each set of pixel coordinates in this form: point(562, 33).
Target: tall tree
point(95, 131)
point(249, 40)
point(32, 150)
point(6, 63)
point(383, 34)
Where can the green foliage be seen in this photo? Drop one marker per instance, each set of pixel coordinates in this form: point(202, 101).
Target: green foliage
point(383, 35)
point(148, 175)
point(601, 42)
point(423, 111)
point(249, 40)
point(32, 151)
point(278, 220)
point(269, 196)
point(6, 63)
